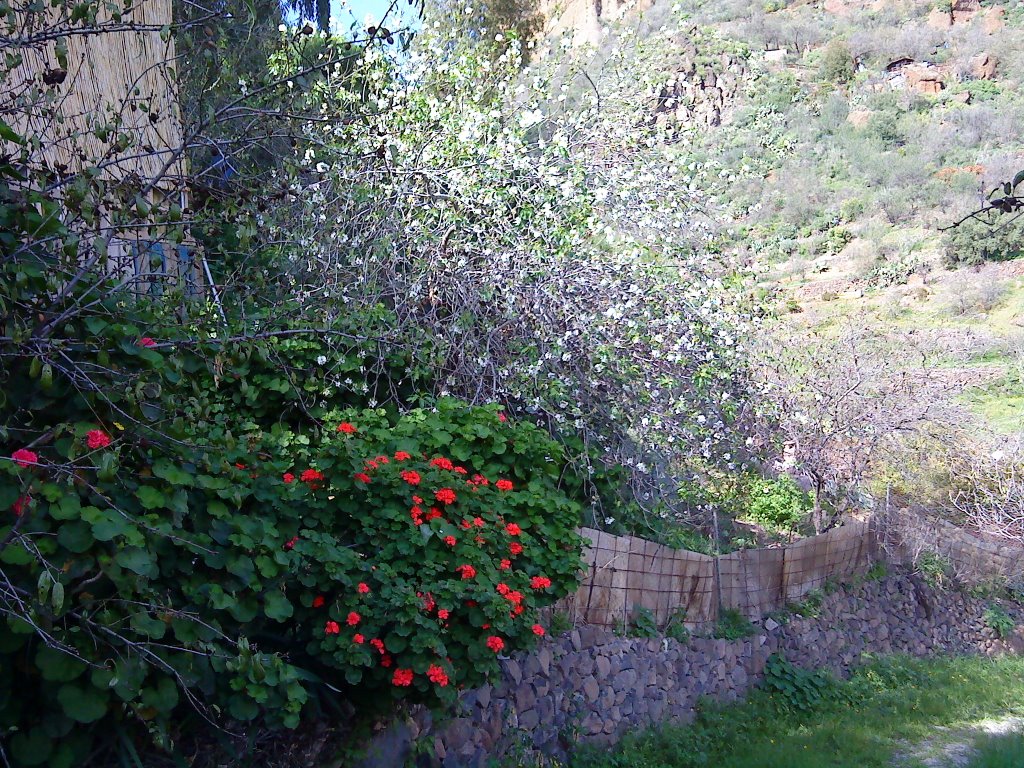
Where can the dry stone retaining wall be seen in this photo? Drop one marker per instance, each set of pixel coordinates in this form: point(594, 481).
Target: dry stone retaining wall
point(592, 685)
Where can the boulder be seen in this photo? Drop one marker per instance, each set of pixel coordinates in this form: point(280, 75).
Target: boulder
point(983, 66)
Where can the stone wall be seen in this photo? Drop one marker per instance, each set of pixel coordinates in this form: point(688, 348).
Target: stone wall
point(592, 685)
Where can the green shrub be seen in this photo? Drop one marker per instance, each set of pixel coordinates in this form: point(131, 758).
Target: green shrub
point(732, 625)
point(976, 242)
point(836, 63)
point(795, 688)
point(676, 628)
point(642, 622)
point(935, 569)
point(998, 620)
point(778, 503)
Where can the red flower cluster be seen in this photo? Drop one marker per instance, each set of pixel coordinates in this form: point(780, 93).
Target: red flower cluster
point(290, 543)
point(346, 428)
point(504, 565)
point(538, 630)
point(318, 601)
point(411, 477)
point(312, 477)
point(512, 529)
point(363, 588)
point(21, 504)
point(402, 456)
point(442, 463)
point(445, 496)
point(433, 513)
point(332, 628)
point(428, 601)
point(402, 677)
point(23, 457)
point(97, 438)
point(479, 480)
point(358, 639)
point(353, 618)
point(417, 515)
point(443, 614)
point(503, 485)
point(449, 540)
point(362, 477)
point(378, 644)
point(540, 582)
point(145, 341)
point(288, 478)
point(437, 675)
point(515, 548)
point(495, 643)
point(467, 571)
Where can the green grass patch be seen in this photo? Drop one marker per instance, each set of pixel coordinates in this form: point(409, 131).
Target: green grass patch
point(860, 723)
point(1003, 751)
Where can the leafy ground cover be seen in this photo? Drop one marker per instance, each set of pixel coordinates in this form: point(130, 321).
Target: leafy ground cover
point(807, 720)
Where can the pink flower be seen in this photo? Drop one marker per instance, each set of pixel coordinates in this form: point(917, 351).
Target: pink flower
point(332, 628)
point(363, 589)
point(290, 543)
point(353, 618)
point(23, 457)
point(145, 341)
point(288, 477)
point(96, 438)
point(495, 643)
point(503, 485)
point(504, 565)
point(358, 639)
point(502, 417)
point(449, 540)
point(538, 630)
point(443, 614)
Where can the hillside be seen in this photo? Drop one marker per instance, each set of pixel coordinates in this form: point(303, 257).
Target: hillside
point(843, 136)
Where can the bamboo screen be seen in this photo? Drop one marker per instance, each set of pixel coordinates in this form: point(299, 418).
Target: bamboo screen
point(626, 571)
point(123, 79)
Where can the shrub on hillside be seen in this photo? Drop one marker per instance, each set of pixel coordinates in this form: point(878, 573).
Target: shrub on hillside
point(778, 503)
point(976, 242)
point(836, 64)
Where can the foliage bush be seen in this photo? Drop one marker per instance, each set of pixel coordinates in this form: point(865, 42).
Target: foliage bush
point(998, 620)
point(795, 688)
point(778, 503)
point(977, 241)
point(732, 625)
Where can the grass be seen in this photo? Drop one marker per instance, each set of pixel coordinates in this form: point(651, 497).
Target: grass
point(1003, 751)
point(861, 723)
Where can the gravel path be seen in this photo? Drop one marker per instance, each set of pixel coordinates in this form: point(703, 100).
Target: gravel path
point(954, 747)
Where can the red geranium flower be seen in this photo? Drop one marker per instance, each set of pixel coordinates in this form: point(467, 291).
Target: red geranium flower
point(318, 601)
point(417, 515)
point(442, 463)
point(434, 512)
point(460, 470)
point(332, 628)
point(503, 589)
point(437, 675)
point(513, 530)
point(515, 548)
point(23, 457)
point(480, 480)
point(504, 565)
point(410, 476)
point(238, 464)
point(385, 660)
point(443, 614)
point(291, 542)
point(347, 428)
point(358, 639)
point(540, 582)
point(378, 644)
point(479, 522)
point(353, 618)
point(370, 466)
point(381, 459)
point(449, 540)
point(402, 677)
point(495, 643)
point(312, 477)
point(502, 417)
point(145, 341)
point(538, 630)
point(467, 571)
point(97, 438)
point(21, 504)
point(363, 589)
point(362, 478)
point(445, 496)
point(288, 477)
point(503, 485)
point(416, 499)
point(402, 456)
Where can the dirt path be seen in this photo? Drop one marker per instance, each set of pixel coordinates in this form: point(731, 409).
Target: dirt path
point(954, 747)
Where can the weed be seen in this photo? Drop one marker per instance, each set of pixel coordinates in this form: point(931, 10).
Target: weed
point(935, 569)
point(997, 619)
point(643, 623)
point(676, 628)
point(796, 688)
point(732, 625)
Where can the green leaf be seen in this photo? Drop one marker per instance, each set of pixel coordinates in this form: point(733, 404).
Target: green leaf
point(68, 508)
point(163, 698)
point(76, 536)
point(32, 748)
point(147, 625)
point(172, 473)
point(139, 560)
point(277, 606)
point(150, 497)
point(57, 666)
point(84, 705)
